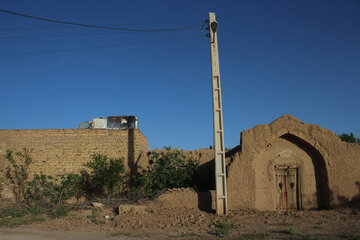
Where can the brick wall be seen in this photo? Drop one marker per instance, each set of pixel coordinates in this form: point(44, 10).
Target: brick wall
point(60, 151)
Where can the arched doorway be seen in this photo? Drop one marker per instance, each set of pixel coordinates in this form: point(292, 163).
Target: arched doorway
point(290, 174)
point(322, 185)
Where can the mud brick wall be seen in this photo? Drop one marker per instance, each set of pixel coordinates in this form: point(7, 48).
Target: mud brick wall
point(328, 169)
point(60, 151)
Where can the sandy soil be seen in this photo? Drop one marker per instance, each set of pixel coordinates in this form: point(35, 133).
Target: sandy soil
point(153, 220)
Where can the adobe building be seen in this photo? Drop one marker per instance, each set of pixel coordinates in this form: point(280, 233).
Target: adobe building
point(289, 165)
point(284, 165)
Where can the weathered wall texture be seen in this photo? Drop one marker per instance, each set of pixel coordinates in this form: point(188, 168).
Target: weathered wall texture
point(327, 169)
point(60, 151)
point(186, 198)
point(203, 155)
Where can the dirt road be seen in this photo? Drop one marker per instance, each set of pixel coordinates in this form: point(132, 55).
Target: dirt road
point(151, 222)
point(29, 234)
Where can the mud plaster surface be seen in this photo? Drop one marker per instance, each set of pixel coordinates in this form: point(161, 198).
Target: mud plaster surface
point(287, 140)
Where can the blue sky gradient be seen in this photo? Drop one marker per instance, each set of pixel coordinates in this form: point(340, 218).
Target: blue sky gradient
point(276, 57)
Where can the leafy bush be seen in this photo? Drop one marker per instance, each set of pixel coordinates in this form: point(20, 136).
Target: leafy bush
point(107, 175)
point(169, 169)
point(17, 171)
point(41, 187)
point(52, 190)
point(106, 178)
point(71, 185)
point(349, 138)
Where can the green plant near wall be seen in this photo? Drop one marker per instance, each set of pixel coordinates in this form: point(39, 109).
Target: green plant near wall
point(107, 175)
point(55, 190)
point(349, 138)
point(168, 169)
point(17, 171)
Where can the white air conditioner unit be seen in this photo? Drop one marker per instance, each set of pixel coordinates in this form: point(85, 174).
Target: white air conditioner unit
point(99, 123)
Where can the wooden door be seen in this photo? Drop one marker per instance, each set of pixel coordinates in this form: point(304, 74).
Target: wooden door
point(286, 188)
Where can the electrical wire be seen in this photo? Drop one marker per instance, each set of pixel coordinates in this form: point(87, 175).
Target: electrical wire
point(97, 47)
point(100, 27)
point(68, 35)
point(107, 25)
point(64, 35)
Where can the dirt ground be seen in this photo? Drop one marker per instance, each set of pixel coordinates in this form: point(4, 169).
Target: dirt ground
point(154, 220)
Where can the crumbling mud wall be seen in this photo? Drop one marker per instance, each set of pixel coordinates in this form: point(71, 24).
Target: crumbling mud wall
point(203, 155)
point(60, 151)
point(186, 198)
point(321, 170)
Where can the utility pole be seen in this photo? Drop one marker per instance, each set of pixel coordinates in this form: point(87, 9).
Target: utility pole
point(219, 146)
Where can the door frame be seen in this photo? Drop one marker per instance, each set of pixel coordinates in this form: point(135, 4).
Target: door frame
point(287, 167)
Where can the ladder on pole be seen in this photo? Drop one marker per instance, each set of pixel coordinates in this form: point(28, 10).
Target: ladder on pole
point(219, 146)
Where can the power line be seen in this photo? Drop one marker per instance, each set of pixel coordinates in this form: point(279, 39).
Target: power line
point(107, 25)
point(64, 35)
point(96, 47)
point(67, 35)
point(100, 27)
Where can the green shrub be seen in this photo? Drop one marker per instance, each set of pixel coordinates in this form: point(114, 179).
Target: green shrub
point(349, 138)
point(107, 176)
point(17, 171)
point(168, 169)
point(42, 187)
point(71, 185)
point(52, 190)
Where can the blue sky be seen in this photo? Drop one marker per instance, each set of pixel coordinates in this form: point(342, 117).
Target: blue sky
point(276, 57)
